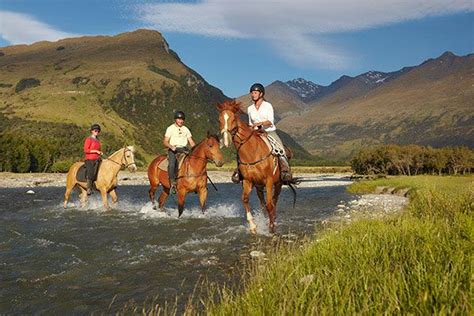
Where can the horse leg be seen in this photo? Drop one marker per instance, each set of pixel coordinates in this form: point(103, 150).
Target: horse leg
point(114, 196)
point(181, 196)
point(276, 193)
point(270, 205)
point(163, 196)
point(202, 198)
point(151, 194)
point(247, 188)
point(83, 197)
point(261, 196)
point(105, 202)
point(67, 194)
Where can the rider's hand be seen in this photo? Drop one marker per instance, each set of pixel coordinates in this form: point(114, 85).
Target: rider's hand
point(173, 148)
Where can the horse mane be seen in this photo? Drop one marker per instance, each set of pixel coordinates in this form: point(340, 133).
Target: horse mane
point(231, 105)
point(207, 137)
point(131, 148)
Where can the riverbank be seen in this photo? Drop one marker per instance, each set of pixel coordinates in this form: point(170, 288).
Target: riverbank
point(30, 180)
point(414, 261)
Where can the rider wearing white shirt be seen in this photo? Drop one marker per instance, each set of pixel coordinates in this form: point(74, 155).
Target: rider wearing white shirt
point(261, 116)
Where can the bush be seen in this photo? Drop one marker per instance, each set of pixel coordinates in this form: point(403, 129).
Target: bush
point(413, 160)
point(26, 84)
point(61, 166)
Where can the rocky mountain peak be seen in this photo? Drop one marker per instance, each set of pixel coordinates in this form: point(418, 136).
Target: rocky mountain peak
point(305, 89)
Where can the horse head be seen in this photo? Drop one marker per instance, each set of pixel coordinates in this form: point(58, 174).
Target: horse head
point(228, 120)
point(128, 159)
point(212, 150)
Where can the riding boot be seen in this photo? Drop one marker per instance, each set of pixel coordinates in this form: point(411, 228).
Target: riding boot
point(236, 176)
point(89, 187)
point(285, 171)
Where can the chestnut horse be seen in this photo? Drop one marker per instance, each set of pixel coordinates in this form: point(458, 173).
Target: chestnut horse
point(256, 163)
point(106, 177)
point(192, 176)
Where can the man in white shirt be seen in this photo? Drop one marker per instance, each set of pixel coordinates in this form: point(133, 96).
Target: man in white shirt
point(261, 116)
point(177, 137)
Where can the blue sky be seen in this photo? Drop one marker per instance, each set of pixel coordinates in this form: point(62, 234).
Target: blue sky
point(235, 43)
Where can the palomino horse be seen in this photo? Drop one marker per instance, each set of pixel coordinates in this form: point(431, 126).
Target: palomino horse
point(106, 177)
point(192, 175)
point(257, 165)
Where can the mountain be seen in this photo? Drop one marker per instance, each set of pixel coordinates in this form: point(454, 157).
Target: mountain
point(306, 90)
point(429, 104)
point(298, 95)
point(131, 84)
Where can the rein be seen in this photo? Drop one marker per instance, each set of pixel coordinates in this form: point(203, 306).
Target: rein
point(191, 156)
point(122, 165)
point(241, 143)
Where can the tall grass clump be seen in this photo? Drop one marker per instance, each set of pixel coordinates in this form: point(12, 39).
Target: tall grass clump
point(417, 262)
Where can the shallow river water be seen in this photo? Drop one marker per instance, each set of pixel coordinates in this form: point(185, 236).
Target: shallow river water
point(55, 260)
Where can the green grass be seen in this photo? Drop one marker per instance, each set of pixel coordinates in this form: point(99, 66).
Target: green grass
point(416, 262)
point(450, 184)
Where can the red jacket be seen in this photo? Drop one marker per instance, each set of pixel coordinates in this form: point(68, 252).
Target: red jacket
point(91, 143)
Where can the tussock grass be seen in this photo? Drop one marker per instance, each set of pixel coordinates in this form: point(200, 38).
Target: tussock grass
point(417, 262)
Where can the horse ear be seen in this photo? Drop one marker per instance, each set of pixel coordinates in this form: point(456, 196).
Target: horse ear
point(219, 106)
point(208, 134)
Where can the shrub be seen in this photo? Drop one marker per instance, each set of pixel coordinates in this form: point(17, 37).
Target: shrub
point(61, 165)
point(26, 84)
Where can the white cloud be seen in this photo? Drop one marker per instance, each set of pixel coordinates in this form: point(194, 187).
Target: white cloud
point(291, 27)
point(18, 28)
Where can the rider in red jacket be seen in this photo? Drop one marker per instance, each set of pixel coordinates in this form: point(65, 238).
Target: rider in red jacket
point(92, 151)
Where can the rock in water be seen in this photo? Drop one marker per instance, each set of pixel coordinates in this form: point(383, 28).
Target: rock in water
point(30, 192)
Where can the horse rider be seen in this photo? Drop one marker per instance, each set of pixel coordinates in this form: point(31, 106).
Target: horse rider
point(261, 117)
point(92, 154)
point(177, 137)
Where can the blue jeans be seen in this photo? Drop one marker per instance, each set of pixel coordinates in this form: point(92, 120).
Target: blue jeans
point(172, 163)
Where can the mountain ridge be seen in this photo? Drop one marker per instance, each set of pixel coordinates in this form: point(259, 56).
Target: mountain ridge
point(427, 104)
point(130, 83)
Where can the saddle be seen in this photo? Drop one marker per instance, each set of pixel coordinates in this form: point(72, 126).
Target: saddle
point(81, 172)
point(275, 148)
point(163, 165)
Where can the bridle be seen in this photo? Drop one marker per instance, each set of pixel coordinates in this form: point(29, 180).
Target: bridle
point(123, 162)
point(235, 133)
point(191, 156)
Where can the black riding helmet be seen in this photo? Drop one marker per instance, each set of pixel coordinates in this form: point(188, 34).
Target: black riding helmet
point(95, 127)
point(257, 87)
point(179, 115)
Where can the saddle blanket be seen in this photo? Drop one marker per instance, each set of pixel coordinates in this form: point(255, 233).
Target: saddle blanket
point(273, 145)
point(81, 172)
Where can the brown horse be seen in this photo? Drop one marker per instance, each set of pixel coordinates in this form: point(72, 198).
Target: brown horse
point(106, 177)
point(256, 163)
point(192, 176)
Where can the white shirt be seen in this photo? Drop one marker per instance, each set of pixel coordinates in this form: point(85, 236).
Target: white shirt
point(264, 113)
point(178, 136)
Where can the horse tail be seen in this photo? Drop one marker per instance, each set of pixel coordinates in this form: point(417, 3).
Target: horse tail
point(292, 184)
